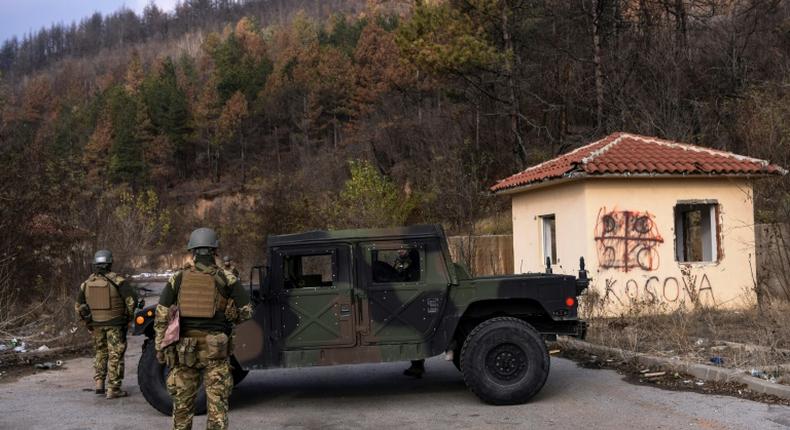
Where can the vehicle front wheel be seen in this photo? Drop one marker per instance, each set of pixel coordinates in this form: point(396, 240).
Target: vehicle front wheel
point(152, 377)
point(504, 361)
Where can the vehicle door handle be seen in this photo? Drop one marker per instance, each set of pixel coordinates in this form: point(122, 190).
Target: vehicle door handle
point(345, 311)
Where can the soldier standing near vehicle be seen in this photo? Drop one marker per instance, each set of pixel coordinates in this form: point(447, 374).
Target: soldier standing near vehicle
point(210, 301)
point(407, 264)
point(106, 304)
point(227, 261)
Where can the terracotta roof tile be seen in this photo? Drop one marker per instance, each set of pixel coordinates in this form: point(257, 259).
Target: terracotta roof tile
point(628, 154)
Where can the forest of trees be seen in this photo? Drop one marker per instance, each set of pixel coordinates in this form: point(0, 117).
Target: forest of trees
point(315, 114)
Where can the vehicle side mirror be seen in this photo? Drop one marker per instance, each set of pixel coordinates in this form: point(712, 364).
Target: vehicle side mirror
point(141, 304)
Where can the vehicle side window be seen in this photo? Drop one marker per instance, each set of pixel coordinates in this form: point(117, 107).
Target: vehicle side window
point(308, 271)
point(396, 265)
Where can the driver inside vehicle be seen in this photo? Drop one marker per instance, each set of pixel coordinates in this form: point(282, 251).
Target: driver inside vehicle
point(407, 264)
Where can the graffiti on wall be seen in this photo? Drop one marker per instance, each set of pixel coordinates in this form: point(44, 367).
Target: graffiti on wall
point(691, 288)
point(627, 240)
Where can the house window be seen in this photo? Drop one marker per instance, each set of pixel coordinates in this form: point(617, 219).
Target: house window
point(696, 232)
point(549, 237)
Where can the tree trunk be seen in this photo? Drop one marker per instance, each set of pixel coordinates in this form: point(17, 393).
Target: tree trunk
point(518, 143)
point(598, 66)
point(243, 161)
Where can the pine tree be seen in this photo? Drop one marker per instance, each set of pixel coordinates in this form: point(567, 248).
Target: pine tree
point(128, 138)
point(168, 109)
point(229, 128)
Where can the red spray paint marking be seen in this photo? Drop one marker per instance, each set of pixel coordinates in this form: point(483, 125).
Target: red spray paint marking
point(627, 240)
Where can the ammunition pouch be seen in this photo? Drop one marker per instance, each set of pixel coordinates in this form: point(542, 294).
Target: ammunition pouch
point(188, 353)
point(217, 346)
point(171, 356)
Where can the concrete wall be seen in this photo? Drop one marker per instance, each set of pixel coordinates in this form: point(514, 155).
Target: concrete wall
point(569, 205)
point(591, 218)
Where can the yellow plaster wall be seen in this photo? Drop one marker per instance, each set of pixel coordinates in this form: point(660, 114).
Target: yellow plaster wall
point(578, 207)
point(568, 204)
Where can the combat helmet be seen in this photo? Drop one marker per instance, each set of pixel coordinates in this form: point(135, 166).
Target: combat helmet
point(102, 256)
point(203, 238)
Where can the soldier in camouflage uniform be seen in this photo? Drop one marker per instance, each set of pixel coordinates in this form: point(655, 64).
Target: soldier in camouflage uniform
point(227, 261)
point(106, 303)
point(408, 268)
point(210, 301)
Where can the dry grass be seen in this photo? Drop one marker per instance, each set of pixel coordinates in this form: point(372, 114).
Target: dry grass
point(755, 337)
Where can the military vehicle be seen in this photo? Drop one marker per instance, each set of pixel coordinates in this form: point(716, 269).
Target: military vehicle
point(383, 295)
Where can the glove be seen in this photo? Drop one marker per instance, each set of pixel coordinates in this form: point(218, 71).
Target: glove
point(85, 313)
point(231, 312)
point(160, 357)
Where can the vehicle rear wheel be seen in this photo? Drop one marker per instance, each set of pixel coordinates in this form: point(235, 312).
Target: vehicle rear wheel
point(152, 377)
point(457, 358)
point(504, 361)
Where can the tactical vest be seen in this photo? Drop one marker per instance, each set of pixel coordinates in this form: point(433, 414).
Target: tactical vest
point(103, 299)
point(198, 295)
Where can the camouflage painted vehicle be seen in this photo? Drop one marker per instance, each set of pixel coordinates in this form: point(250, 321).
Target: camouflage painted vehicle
point(369, 296)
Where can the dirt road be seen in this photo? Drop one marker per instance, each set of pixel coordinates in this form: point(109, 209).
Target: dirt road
point(378, 396)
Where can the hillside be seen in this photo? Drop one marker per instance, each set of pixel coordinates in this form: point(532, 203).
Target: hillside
point(260, 117)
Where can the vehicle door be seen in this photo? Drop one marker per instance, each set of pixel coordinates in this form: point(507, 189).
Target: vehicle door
point(402, 287)
point(313, 288)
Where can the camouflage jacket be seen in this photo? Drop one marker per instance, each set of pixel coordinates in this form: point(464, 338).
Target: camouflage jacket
point(238, 307)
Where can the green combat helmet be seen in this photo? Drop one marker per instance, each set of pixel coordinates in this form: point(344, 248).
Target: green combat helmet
point(103, 257)
point(203, 239)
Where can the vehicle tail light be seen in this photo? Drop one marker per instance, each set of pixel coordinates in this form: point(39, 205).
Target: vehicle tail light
point(570, 301)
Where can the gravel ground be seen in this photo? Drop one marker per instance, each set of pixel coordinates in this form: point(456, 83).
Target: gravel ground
point(378, 396)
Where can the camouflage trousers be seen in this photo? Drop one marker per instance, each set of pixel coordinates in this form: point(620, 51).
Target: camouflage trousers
point(183, 383)
point(109, 345)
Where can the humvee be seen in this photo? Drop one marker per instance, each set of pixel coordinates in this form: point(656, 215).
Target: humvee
point(382, 295)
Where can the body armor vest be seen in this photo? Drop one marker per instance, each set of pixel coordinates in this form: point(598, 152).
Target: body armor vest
point(103, 299)
point(198, 295)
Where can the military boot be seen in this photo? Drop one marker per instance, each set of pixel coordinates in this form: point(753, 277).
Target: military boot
point(416, 369)
point(116, 393)
point(99, 387)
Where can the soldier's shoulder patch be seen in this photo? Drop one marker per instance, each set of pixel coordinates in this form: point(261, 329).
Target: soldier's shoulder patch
point(173, 277)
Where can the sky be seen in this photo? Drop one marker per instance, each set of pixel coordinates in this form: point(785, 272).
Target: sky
point(18, 17)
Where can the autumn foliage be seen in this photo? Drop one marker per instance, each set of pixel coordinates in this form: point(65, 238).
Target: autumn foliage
point(298, 111)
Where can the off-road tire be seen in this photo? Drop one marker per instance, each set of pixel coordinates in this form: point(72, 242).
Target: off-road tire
point(151, 377)
point(504, 361)
point(457, 358)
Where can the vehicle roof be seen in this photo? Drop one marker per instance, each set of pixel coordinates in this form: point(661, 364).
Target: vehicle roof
point(358, 235)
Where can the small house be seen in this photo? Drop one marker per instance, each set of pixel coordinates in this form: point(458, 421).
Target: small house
point(656, 221)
